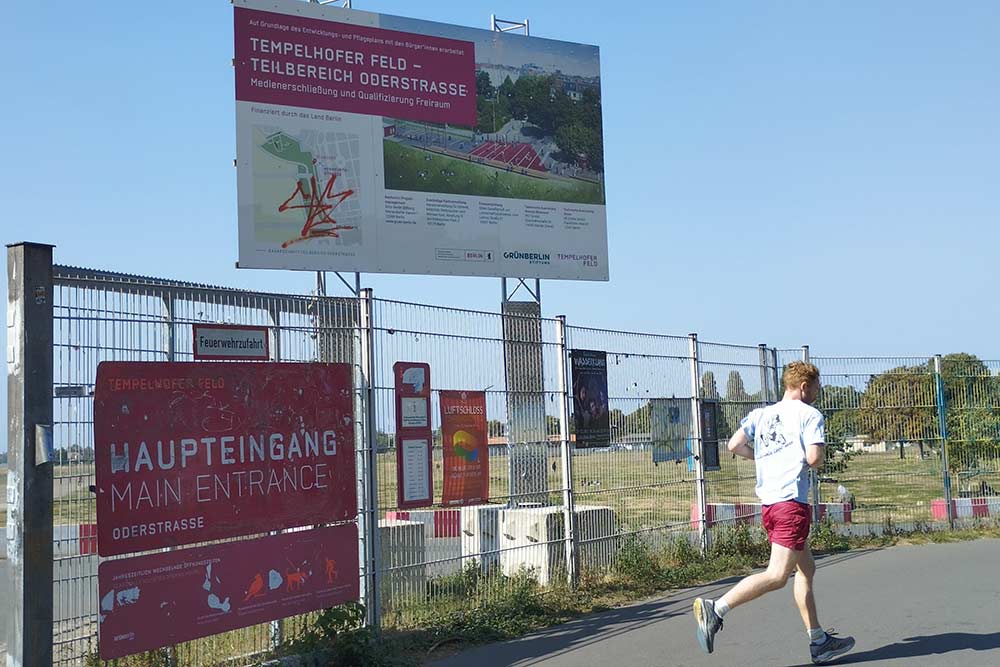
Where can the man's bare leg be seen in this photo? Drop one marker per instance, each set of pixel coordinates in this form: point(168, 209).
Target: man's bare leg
point(708, 613)
point(780, 566)
point(803, 589)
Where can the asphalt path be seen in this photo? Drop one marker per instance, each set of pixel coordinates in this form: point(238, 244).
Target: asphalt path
point(934, 604)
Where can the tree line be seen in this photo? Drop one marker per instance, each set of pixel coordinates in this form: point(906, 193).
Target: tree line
point(544, 102)
point(898, 406)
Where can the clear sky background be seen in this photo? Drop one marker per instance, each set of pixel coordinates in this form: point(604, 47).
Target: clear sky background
point(824, 173)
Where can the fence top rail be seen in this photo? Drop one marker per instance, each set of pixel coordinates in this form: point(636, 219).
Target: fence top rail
point(871, 358)
point(99, 278)
point(645, 334)
point(467, 311)
point(735, 346)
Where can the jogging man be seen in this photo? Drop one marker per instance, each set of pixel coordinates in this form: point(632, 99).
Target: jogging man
point(787, 438)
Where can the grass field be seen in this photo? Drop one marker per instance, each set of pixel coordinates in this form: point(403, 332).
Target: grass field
point(408, 168)
point(647, 496)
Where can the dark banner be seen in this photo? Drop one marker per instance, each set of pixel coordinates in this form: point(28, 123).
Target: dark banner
point(710, 434)
point(590, 398)
point(193, 452)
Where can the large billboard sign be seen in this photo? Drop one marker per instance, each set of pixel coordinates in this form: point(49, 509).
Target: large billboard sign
point(375, 143)
point(174, 596)
point(193, 452)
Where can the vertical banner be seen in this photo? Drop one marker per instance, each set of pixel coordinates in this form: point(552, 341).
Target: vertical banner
point(670, 428)
point(590, 398)
point(414, 484)
point(466, 451)
point(710, 434)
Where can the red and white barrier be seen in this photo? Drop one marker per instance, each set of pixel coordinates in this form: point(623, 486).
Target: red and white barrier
point(726, 513)
point(750, 513)
point(74, 539)
point(966, 508)
point(71, 539)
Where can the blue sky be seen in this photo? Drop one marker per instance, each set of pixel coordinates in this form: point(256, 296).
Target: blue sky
point(824, 173)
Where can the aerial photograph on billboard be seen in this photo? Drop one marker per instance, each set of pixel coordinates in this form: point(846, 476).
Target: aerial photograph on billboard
point(537, 132)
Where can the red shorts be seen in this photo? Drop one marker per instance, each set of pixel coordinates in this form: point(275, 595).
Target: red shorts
point(787, 523)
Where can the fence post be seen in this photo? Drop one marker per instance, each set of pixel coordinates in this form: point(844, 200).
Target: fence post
point(29, 438)
point(813, 473)
point(699, 461)
point(765, 389)
point(369, 509)
point(566, 451)
point(778, 389)
point(942, 414)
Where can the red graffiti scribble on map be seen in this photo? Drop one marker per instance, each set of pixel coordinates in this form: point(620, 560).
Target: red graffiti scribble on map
point(319, 222)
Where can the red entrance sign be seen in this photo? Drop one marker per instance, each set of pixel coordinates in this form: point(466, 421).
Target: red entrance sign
point(466, 448)
point(166, 598)
point(414, 484)
point(192, 452)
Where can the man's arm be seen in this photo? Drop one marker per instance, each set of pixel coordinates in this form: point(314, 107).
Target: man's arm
point(739, 444)
point(815, 455)
point(814, 437)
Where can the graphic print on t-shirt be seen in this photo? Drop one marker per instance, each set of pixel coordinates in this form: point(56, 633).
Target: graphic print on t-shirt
point(772, 438)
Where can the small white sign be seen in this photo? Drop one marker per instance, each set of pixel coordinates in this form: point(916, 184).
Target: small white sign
point(416, 482)
point(237, 343)
point(414, 411)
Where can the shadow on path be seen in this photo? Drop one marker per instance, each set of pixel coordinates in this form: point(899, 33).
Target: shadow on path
point(914, 647)
point(596, 627)
point(574, 635)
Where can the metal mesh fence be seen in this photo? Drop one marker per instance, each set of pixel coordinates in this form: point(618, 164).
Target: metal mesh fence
point(750, 382)
point(904, 436)
point(640, 487)
point(109, 317)
point(440, 559)
point(884, 439)
point(971, 389)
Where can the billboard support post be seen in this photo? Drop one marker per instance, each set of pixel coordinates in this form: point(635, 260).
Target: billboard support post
point(814, 480)
point(369, 472)
point(503, 25)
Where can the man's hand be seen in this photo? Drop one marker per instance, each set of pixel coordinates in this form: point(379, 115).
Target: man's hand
point(739, 444)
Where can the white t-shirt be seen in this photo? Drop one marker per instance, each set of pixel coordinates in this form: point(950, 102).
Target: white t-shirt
point(780, 434)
